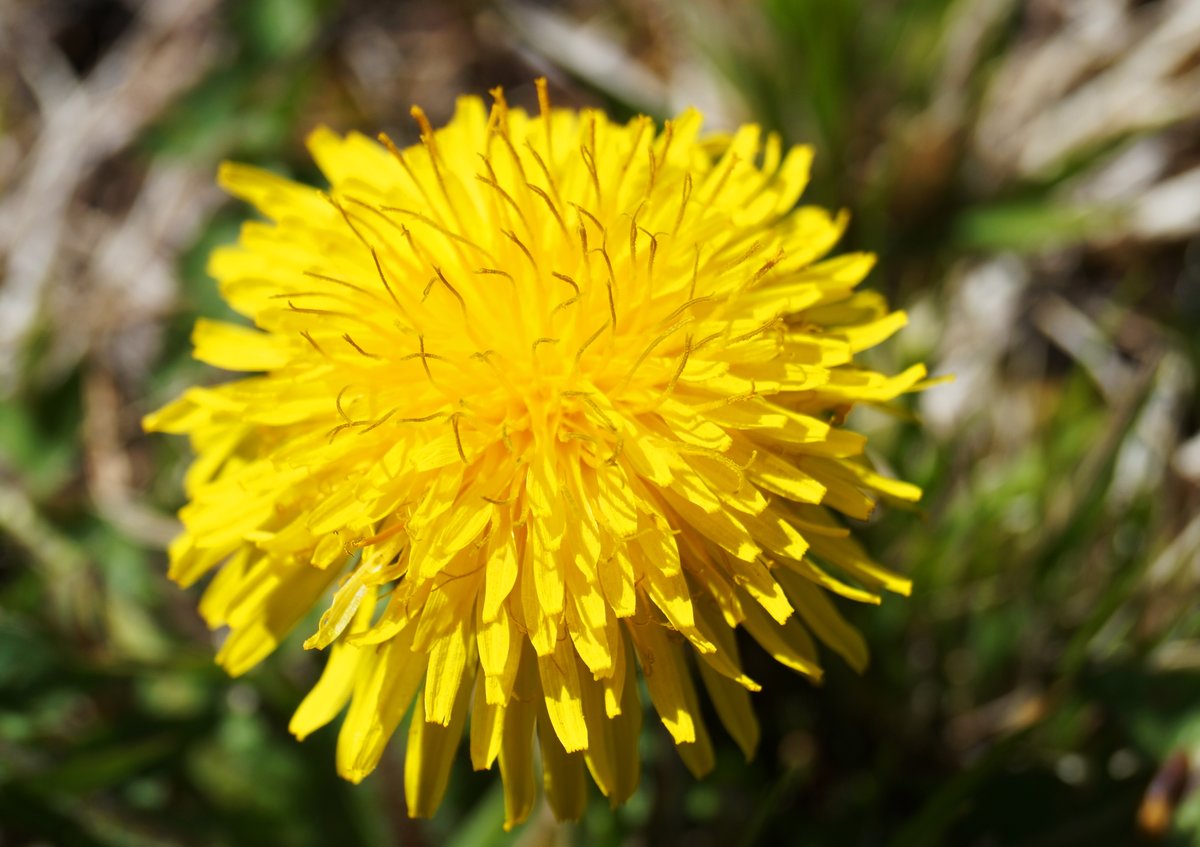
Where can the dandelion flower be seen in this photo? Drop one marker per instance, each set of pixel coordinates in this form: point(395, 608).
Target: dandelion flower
point(539, 401)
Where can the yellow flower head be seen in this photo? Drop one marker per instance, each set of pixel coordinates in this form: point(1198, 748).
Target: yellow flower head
point(540, 400)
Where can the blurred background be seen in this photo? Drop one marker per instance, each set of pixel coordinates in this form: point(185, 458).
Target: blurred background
point(1028, 172)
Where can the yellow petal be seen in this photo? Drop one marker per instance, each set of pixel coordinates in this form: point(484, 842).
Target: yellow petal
point(381, 698)
point(616, 578)
point(667, 679)
point(824, 620)
point(274, 195)
point(614, 683)
point(261, 620)
point(499, 645)
point(823, 578)
point(347, 600)
point(666, 586)
point(325, 699)
point(547, 568)
point(516, 745)
point(698, 755)
point(722, 528)
point(792, 177)
point(724, 660)
point(487, 730)
point(865, 336)
point(543, 628)
point(448, 662)
point(501, 570)
point(431, 749)
point(561, 687)
point(788, 643)
point(587, 622)
point(542, 491)
point(778, 476)
point(189, 562)
point(849, 555)
point(618, 504)
point(732, 703)
point(601, 753)
point(342, 159)
point(562, 774)
point(238, 348)
point(760, 584)
point(626, 729)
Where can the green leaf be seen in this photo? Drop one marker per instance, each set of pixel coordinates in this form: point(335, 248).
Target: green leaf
point(1031, 227)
